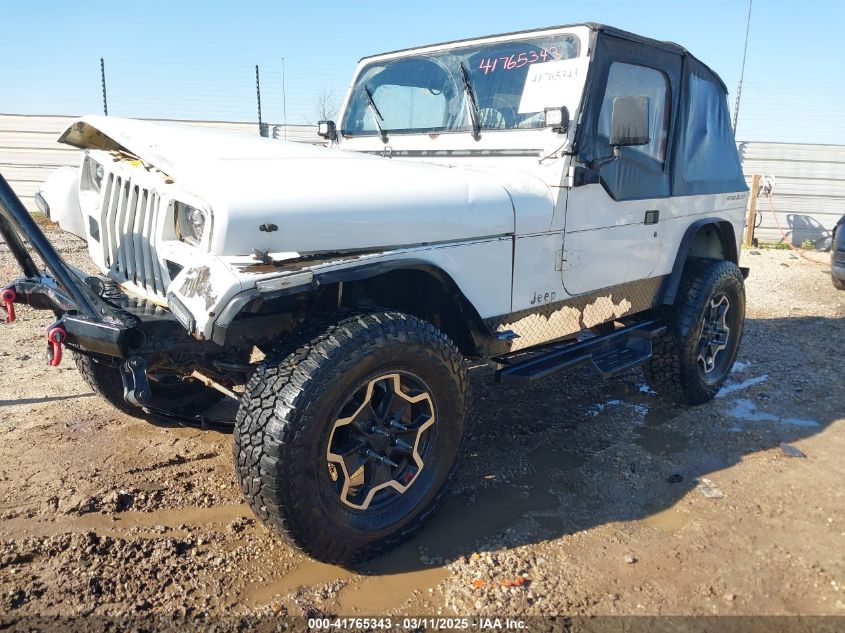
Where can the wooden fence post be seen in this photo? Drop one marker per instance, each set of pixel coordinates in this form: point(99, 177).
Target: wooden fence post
point(751, 218)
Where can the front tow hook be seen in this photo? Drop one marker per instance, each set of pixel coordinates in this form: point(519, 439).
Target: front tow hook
point(136, 388)
point(56, 335)
point(8, 297)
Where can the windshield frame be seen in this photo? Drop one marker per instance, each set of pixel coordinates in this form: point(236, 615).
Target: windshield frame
point(456, 53)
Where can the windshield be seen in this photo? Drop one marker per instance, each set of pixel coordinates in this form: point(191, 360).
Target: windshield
point(426, 94)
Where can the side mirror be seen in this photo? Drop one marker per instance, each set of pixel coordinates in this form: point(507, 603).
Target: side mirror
point(327, 129)
point(558, 119)
point(629, 121)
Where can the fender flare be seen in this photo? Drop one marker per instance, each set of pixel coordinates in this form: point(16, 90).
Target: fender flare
point(482, 338)
point(727, 236)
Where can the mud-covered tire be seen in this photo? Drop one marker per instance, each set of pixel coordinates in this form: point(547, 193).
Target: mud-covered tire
point(291, 410)
point(186, 398)
point(675, 370)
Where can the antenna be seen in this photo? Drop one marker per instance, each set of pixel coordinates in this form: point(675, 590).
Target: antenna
point(742, 73)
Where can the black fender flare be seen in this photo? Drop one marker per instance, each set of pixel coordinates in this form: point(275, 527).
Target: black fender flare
point(483, 339)
point(727, 236)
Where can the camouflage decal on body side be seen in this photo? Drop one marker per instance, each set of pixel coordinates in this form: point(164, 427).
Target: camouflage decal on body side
point(570, 316)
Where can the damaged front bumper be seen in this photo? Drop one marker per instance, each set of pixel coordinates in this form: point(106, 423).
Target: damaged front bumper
point(89, 322)
point(92, 315)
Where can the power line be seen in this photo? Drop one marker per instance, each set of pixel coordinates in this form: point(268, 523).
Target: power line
point(742, 73)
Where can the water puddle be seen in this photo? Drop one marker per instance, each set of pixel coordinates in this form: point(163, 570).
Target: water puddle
point(381, 591)
point(739, 386)
point(657, 437)
point(120, 523)
point(747, 410)
point(310, 573)
point(390, 581)
point(640, 409)
point(457, 524)
point(669, 520)
point(174, 517)
point(660, 440)
point(740, 366)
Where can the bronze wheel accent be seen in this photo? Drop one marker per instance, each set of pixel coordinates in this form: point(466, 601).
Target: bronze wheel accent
point(377, 448)
point(715, 333)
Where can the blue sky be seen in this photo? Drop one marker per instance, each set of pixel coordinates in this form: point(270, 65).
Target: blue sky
point(196, 60)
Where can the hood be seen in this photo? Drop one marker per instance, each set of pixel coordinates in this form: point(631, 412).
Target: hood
point(322, 199)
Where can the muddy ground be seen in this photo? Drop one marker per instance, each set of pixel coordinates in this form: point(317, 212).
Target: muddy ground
point(576, 496)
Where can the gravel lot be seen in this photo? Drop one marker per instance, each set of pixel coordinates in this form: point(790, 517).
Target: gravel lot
point(576, 497)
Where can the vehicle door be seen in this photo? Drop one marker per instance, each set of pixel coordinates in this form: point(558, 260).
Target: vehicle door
point(616, 211)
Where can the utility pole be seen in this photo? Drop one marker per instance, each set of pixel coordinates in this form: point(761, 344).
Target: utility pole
point(742, 73)
point(258, 94)
point(103, 82)
point(284, 102)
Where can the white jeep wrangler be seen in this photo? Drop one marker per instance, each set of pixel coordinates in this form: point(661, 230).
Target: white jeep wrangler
point(536, 199)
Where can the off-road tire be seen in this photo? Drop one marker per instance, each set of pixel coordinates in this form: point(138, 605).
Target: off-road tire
point(674, 371)
point(839, 284)
point(291, 406)
point(187, 398)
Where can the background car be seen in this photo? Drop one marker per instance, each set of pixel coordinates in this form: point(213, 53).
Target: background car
point(837, 255)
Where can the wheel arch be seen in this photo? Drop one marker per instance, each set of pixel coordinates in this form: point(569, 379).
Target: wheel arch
point(711, 238)
point(419, 288)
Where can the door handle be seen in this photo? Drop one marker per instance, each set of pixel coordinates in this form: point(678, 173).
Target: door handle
point(651, 216)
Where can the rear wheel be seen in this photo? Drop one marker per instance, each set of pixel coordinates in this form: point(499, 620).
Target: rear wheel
point(184, 397)
point(839, 284)
point(345, 441)
point(691, 362)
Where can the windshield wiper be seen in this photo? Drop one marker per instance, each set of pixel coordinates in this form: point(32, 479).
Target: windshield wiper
point(376, 114)
point(473, 106)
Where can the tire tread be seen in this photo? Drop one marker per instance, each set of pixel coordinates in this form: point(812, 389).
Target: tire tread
point(672, 370)
point(274, 413)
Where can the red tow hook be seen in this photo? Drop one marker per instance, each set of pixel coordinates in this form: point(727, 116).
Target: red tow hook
point(8, 296)
point(55, 337)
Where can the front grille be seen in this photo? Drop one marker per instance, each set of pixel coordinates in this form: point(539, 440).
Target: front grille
point(129, 217)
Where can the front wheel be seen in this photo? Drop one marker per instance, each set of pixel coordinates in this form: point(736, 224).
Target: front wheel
point(345, 441)
point(691, 362)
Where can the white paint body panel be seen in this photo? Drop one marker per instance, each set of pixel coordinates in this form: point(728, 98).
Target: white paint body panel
point(599, 229)
point(537, 280)
point(322, 200)
point(489, 293)
point(60, 191)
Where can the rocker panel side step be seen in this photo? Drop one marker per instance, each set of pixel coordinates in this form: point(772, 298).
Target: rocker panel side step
point(610, 354)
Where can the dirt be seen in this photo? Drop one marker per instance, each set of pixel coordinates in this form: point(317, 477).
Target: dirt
point(576, 496)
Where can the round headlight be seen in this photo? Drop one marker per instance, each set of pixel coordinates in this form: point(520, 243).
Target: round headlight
point(92, 175)
point(190, 224)
point(99, 172)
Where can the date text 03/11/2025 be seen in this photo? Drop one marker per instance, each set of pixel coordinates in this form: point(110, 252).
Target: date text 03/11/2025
point(416, 623)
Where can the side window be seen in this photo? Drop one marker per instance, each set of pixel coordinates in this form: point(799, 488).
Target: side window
point(630, 80)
